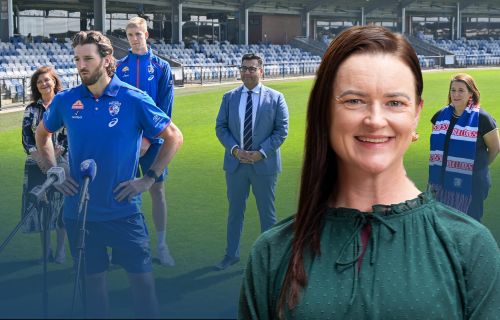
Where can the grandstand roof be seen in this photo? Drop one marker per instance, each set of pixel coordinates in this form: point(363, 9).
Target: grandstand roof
point(319, 8)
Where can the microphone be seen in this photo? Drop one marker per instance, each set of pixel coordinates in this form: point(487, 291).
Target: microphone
point(88, 170)
point(55, 176)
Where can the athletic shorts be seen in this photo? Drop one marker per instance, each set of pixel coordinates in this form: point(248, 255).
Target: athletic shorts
point(147, 160)
point(128, 238)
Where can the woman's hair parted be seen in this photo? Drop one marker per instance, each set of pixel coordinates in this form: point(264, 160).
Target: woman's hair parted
point(319, 170)
point(103, 44)
point(471, 86)
point(35, 94)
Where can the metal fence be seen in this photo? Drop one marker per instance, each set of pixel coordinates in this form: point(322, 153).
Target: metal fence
point(203, 74)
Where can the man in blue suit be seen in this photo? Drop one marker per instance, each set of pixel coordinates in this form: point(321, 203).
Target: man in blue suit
point(251, 125)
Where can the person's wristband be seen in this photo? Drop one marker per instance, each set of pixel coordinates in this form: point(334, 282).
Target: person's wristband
point(151, 174)
point(32, 149)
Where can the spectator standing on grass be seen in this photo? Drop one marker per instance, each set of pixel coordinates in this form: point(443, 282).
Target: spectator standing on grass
point(146, 71)
point(44, 85)
point(252, 124)
point(464, 143)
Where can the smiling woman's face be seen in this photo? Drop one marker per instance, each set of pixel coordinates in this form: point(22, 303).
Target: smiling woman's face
point(374, 112)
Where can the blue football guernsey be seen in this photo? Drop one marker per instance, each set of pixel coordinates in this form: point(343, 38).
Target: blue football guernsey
point(150, 74)
point(109, 130)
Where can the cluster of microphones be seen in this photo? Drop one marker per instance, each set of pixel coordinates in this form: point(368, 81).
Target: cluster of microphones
point(56, 176)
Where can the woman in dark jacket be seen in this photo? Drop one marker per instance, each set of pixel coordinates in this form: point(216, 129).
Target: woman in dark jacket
point(44, 85)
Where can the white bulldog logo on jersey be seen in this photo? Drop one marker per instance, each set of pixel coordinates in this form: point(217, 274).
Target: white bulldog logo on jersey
point(125, 71)
point(151, 72)
point(114, 108)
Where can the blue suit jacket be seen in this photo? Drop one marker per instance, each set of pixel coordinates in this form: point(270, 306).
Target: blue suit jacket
point(270, 129)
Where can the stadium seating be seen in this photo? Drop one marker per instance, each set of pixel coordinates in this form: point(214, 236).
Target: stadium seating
point(471, 52)
point(218, 61)
point(201, 62)
point(18, 60)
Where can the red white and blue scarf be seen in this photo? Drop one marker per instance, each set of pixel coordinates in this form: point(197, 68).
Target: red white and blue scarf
point(454, 186)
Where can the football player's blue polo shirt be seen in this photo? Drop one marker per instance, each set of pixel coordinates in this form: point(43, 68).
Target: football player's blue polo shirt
point(109, 130)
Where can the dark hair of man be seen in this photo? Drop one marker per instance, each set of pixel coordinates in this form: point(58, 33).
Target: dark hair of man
point(35, 94)
point(471, 86)
point(319, 172)
point(103, 44)
point(252, 56)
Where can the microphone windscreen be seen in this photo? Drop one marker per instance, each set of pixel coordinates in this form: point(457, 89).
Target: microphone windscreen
point(88, 169)
point(57, 173)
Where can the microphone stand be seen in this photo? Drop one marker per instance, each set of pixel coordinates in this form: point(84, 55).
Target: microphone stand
point(80, 277)
point(43, 204)
point(44, 207)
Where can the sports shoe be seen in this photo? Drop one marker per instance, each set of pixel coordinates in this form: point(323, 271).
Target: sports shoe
point(226, 262)
point(60, 257)
point(165, 257)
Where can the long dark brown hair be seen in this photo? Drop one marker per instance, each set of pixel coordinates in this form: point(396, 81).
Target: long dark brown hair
point(35, 94)
point(319, 170)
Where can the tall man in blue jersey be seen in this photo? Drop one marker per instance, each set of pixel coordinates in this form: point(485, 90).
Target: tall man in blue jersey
point(105, 119)
point(142, 69)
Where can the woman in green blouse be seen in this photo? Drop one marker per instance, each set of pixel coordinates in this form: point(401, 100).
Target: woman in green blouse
point(365, 242)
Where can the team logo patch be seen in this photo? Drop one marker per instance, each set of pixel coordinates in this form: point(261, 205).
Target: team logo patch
point(78, 105)
point(114, 108)
point(125, 69)
point(151, 69)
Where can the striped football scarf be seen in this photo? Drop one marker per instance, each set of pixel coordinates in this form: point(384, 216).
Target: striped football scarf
point(452, 181)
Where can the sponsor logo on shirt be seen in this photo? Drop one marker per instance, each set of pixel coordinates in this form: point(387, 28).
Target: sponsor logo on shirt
point(114, 108)
point(151, 77)
point(113, 122)
point(157, 119)
point(76, 115)
point(78, 105)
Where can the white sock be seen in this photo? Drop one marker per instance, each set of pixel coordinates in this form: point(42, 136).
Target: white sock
point(161, 238)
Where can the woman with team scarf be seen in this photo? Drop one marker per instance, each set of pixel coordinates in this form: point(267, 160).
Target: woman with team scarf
point(464, 142)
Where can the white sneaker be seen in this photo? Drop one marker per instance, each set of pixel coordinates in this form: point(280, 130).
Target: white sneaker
point(165, 257)
point(60, 257)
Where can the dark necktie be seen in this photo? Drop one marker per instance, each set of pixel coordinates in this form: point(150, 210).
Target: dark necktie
point(247, 124)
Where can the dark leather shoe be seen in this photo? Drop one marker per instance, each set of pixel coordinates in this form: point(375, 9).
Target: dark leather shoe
point(226, 262)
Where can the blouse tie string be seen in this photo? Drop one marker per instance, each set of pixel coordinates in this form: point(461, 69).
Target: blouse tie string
point(354, 239)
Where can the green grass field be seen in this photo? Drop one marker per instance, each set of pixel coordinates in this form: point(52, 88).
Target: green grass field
point(197, 207)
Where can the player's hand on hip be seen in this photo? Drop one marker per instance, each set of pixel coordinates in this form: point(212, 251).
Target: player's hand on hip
point(129, 189)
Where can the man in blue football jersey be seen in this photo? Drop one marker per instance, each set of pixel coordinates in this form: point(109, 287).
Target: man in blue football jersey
point(144, 70)
point(105, 120)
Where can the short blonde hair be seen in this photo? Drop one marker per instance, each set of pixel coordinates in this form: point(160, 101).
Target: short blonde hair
point(137, 22)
